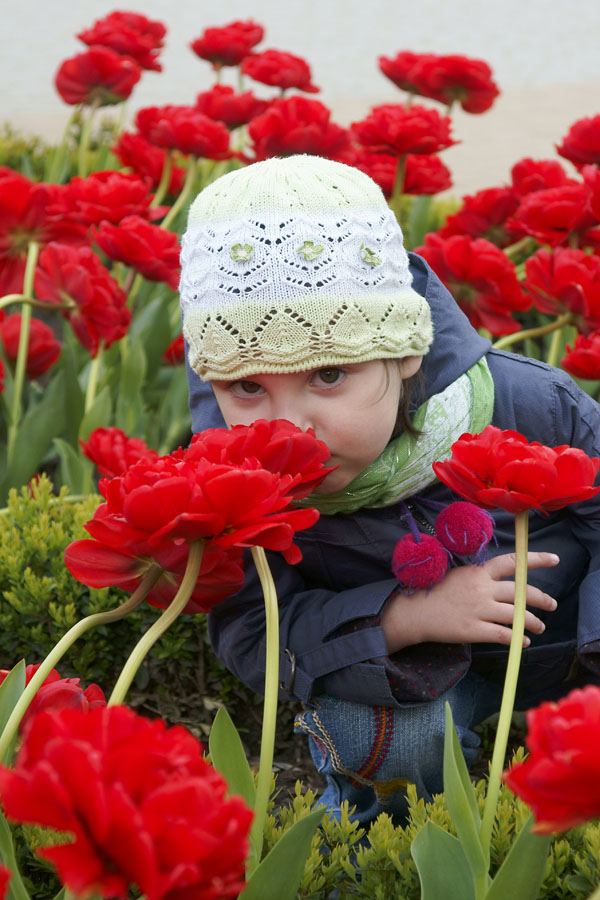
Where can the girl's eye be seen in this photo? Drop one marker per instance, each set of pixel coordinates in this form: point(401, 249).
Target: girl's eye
point(329, 376)
point(246, 387)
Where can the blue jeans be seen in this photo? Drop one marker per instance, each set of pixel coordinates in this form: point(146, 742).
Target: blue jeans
point(368, 755)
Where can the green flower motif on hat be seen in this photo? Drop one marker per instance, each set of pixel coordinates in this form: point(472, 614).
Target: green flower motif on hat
point(309, 250)
point(241, 252)
point(369, 256)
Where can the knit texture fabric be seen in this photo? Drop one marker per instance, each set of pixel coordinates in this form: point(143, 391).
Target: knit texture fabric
point(293, 264)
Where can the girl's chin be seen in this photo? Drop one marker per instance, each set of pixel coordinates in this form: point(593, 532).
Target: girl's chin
point(337, 481)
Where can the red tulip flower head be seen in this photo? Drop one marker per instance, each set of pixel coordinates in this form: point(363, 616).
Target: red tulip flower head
point(128, 34)
point(43, 349)
point(501, 469)
point(581, 145)
point(529, 175)
point(483, 215)
point(150, 250)
point(298, 125)
point(231, 489)
point(555, 215)
point(583, 358)
point(562, 280)
point(279, 69)
point(423, 173)
point(222, 103)
point(140, 804)
point(147, 161)
point(174, 354)
point(186, 129)
point(99, 75)
point(112, 452)
point(108, 196)
point(443, 78)
point(396, 130)
point(229, 44)
point(58, 693)
point(559, 778)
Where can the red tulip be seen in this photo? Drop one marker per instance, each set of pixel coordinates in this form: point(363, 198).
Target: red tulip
point(483, 215)
point(30, 212)
point(5, 876)
point(230, 488)
point(58, 693)
point(581, 145)
point(174, 355)
point(443, 78)
point(501, 469)
point(562, 280)
point(529, 175)
point(279, 69)
point(396, 130)
point(99, 75)
point(128, 34)
point(423, 173)
point(583, 359)
point(112, 452)
point(150, 250)
point(96, 305)
point(559, 778)
point(555, 215)
point(298, 125)
point(222, 103)
point(108, 196)
point(147, 161)
point(229, 44)
point(139, 804)
point(185, 129)
point(43, 349)
point(481, 278)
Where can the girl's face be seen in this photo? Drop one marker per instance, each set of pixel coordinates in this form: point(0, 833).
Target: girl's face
point(352, 408)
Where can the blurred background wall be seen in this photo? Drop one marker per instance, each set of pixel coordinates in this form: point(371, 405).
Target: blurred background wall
point(543, 53)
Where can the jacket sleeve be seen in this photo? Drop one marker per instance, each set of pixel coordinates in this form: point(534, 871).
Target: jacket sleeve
point(314, 657)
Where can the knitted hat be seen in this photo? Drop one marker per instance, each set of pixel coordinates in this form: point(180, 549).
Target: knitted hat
point(294, 264)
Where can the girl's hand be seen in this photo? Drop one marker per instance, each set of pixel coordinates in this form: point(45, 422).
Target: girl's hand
point(470, 605)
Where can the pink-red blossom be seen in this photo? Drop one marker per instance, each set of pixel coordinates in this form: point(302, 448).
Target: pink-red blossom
point(581, 144)
point(107, 196)
point(395, 130)
point(299, 125)
point(150, 250)
point(583, 358)
point(446, 78)
point(423, 173)
point(43, 349)
point(483, 215)
point(113, 452)
point(229, 44)
point(147, 161)
point(564, 280)
point(222, 103)
point(279, 69)
point(58, 693)
point(184, 128)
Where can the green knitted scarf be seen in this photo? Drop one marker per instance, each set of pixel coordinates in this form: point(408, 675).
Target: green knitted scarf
point(404, 467)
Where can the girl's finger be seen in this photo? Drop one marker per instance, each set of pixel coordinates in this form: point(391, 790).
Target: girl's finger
point(504, 565)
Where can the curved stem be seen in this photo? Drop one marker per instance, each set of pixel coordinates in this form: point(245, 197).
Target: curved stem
point(184, 195)
point(93, 379)
point(165, 178)
point(65, 643)
point(21, 364)
point(9, 299)
point(510, 681)
point(555, 346)
point(84, 140)
point(265, 768)
point(172, 612)
point(524, 244)
point(519, 336)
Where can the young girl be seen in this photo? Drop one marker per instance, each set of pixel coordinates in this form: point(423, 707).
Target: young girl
point(300, 302)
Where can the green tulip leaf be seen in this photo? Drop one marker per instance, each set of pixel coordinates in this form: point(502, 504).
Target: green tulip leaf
point(75, 470)
point(522, 872)
point(10, 690)
point(443, 869)
point(228, 757)
point(130, 406)
point(74, 401)
point(98, 415)
point(280, 872)
point(461, 800)
point(16, 889)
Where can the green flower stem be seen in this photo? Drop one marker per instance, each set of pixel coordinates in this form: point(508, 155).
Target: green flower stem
point(133, 290)
point(9, 299)
point(510, 681)
point(595, 895)
point(21, 364)
point(172, 612)
point(65, 643)
point(265, 768)
point(92, 384)
point(555, 346)
point(84, 140)
point(186, 190)
point(398, 189)
point(59, 152)
point(519, 336)
point(520, 246)
point(165, 178)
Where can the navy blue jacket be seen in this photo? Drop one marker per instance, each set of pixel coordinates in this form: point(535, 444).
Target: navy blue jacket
point(345, 574)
